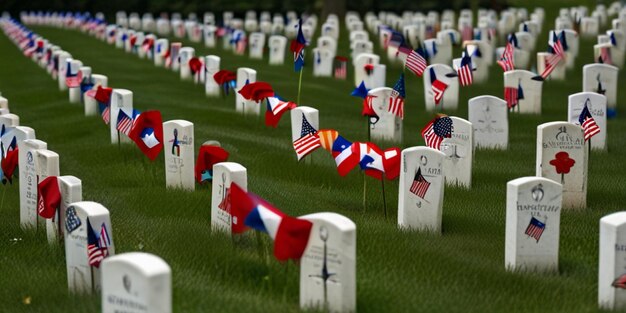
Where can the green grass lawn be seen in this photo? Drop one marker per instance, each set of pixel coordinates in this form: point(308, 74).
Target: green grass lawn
point(461, 270)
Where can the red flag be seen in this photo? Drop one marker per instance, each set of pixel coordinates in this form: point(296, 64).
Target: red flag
point(257, 91)
point(195, 65)
point(275, 110)
point(224, 76)
point(48, 197)
point(103, 95)
point(147, 133)
point(240, 206)
point(291, 238)
point(9, 163)
point(207, 157)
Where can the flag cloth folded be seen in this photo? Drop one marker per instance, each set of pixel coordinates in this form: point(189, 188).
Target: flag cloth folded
point(256, 91)
point(147, 133)
point(207, 157)
point(345, 157)
point(48, 197)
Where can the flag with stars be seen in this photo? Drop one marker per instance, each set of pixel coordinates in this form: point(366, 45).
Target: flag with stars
point(437, 87)
point(147, 133)
point(436, 131)
point(396, 100)
point(588, 123)
point(308, 141)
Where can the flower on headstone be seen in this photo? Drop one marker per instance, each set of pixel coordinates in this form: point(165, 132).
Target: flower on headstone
point(562, 162)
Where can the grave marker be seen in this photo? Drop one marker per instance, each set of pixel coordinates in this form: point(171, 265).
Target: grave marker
point(389, 125)
point(489, 118)
point(449, 97)
point(224, 174)
point(179, 154)
point(28, 181)
point(328, 265)
point(212, 66)
point(459, 153)
point(531, 90)
point(81, 219)
point(136, 282)
point(602, 79)
point(277, 44)
point(121, 99)
point(91, 105)
point(596, 104)
point(533, 218)
point(421, 188)
point(562, 157)
point(612, 262)
point(245, 76)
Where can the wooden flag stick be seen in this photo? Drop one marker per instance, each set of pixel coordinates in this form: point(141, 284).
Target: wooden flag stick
point(299, 86)
point(382, 182)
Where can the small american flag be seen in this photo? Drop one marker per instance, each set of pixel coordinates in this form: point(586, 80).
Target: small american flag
point(308, 141)
point(72, 221)
point(588, 123)
point(512, 95)
point(553, 60)
point(95, 255)
point(104, 241)
point(415, 61)
point(106, 114)
point(420, 186)
point(506, 60)
point(396, 100)
point(535, 228)
point(605, 56)
point(341, 67)
point(436, 130)
point(438, 87)
point(124, 123)
point(467, 33)
point(465, 70)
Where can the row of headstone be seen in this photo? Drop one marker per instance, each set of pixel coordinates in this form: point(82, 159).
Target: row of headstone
point(131, 281)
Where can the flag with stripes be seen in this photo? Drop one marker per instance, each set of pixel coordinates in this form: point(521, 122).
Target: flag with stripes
point(535, 228)
point(94, 254)
point(104, 240)
point(506, 59)
point(105, 112)
point(420, 186)
point(553, 60)
point(308, 141)
point(396, 100)
point(436, 131)
point(327, 138)
point(341, 67)
point(512, 95)
point(464, 71)
point(415, 61)
point(588, 123)
point(437, 87)
point(605, 56)
point(124, 123)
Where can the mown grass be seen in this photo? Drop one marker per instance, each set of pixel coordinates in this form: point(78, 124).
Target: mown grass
point(405, 271)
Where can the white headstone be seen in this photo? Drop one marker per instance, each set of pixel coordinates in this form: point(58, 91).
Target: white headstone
point(389, 126)
point(82, 277)
point(596, 104)
point(328, 265)
point(589, 27)
point(9, 120)
point(186, 53)
point(28, 181)
point(533, 218)
point(450, 98)
point(323, 62)
point(74, 92)
point(179, 154)
point(212, 66)
point(136, 282)
point(420, 198)
point(532, 89)
point(63, 56)
point(244, 76)
point(562, 157)
point(209, 36)
point(277, 45)
point(459, 153)
point(559, 71)
point(91, 105)
point(489, 118)
point(612, 262)
point(4, 103)
point(47, 164)
point(367, 68)
point(161, 46)
point(256, 45)
point(602, 79)
point(121, 99)
point(438, 51)
point(224, 174)
point(174, 57)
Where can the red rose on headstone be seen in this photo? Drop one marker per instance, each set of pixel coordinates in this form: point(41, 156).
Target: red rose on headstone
point(562, 162)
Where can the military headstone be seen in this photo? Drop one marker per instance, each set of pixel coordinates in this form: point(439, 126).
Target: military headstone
point(224, 174)
point(596, 104)
point(612, 262)
point(179, 154)
point(488, 115)
point(459, 153)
